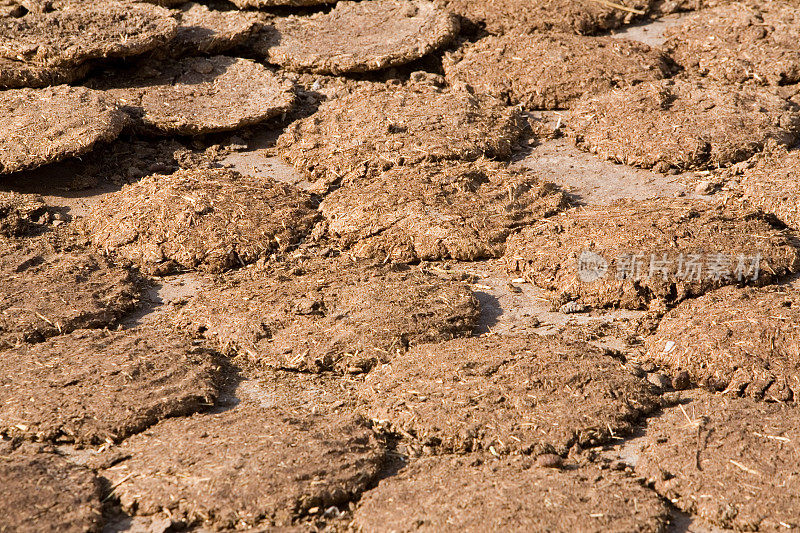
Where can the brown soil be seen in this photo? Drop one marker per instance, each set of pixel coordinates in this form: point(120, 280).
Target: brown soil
point(82, 31)
point(507, 394)
point(46, 292)
point(736, 43)
point(18, 74)
point(40, 491)
point(246, 466)
point(19, 213)
point(436, 211)
point(551, 71)
point(110, 385)
point(46, 125)
point(745, 340)
point(682, 124)
point(665, 7)
point(732, 461)
point(376, 127)
point(773, 185)
point(210, 220)
point(627, 234)
point(334, 314)
point(206, 31)
point(530, 16)
point(469, 493)
point(198, 95)
point(359, 36)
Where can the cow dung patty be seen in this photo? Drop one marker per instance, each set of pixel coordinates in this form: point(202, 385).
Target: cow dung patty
point(19, 74)
point(682, 124)
point(773, 185)
point(359, 36)
point(632, 254)
point(207, 31)
point(261, 4)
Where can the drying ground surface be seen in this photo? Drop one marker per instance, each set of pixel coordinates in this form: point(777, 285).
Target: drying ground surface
point(399, 265)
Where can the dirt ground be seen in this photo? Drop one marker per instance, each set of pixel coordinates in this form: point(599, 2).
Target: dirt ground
point(399, 265)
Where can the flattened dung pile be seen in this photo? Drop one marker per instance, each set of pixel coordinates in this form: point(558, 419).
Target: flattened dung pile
point(207, 31)
point(19, 74)
point(731, 461)
point(359, 36)
point(46, 125)
point(111, 385)
point(737, 42)
point(683, 125)
point(584, 17)
point(202, 219)
point(246, 466)
point(331, 314)
point(552, 70)
point(198, 95)
point(80, 31)
point(471, 493)
point(744, 340)
point(436, 211)
point(261, 4)
point(376, 127)
point(773, 185)
point(633, 254)
point(40, 491)
point(507, 394)
point(46, 292)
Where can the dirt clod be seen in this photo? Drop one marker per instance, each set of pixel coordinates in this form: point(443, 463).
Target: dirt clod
point(110, 385)
point(682, 124)
point(19, 213)
point(507, 394)
point(203, 219)
point(552, 70)
point(633, 254)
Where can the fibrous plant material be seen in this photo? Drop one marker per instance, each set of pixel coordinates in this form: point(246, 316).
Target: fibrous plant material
point(80, 31)
point(507, 394)
point(436, 211)
point(682, 124)
point(773, 185)
point(275, 466)
point(207, 31)
point(111, 385)
point(746, 341)
point(41, 491)
point(635, 254)
point(584, 17)
point(733, 462)
point(376, 127)
point(335, 314)
point(474, 493)
point(204, 219)
point(740, 42)
point(552, 70)
point(359, 36)
point(198, 95)
point(46, 125)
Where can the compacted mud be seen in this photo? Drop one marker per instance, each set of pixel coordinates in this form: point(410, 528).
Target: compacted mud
point(399, 265)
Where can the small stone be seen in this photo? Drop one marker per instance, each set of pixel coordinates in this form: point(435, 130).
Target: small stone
point(705, 187)
point(682, 381)
point(549, 460)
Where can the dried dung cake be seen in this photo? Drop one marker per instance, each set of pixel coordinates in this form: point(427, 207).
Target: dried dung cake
point(198, 95)
point(359, 36)
point(552, 70)
point(738, 42)
point(203, 219)
point(207, 31)
point(632, 254)
point(659, 8)
point(507, 394)
point(93, 386)
point(40, 491)
point(46, 125)
point(583, 17)
point(376, 127)
point(469, 493)
point(46, 292)
point(19, 213)
point(682, 124)
point(746, 340)
point(329, 314)
point(773, 185)
point(246, 466)
point(733, 462)
point(266, 4)
point(78, 32)
point(436, 211)
point(19, 74)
